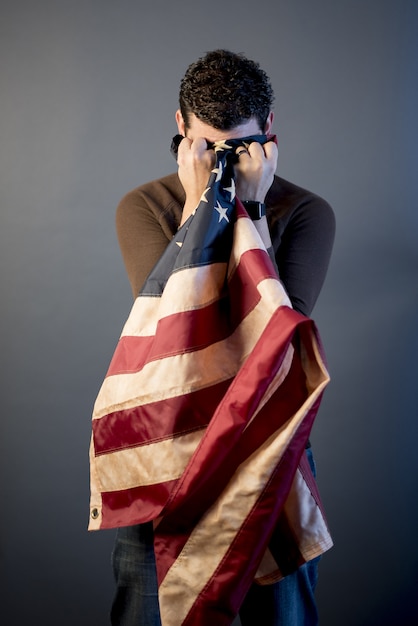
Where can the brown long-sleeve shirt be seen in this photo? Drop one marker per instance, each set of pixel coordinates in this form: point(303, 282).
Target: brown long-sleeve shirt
point(302, 228)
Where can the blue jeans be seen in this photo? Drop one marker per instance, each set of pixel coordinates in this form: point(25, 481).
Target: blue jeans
point(136, 598)
point(290, 602)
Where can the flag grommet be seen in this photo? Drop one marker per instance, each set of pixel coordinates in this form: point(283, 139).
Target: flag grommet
point(94, 513)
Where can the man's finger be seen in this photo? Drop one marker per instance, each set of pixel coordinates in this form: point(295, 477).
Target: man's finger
point(270, 150)
point(184, 146)
point(255, 150)
point(199, 145)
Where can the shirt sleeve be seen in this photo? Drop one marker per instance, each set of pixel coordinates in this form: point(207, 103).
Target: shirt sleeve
point(142, 234)
point(304, 252)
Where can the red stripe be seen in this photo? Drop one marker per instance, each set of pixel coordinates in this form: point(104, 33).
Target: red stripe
point(199, 328)
point(175, 334)
point(254, 267)
point(134, 506)
point(157, 420)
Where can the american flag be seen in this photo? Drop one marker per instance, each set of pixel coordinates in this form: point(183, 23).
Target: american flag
point(202, 419)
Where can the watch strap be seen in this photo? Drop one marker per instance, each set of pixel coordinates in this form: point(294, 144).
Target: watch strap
point(256, 210)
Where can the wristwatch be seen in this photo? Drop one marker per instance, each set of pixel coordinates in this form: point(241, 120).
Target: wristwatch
point(256, 210)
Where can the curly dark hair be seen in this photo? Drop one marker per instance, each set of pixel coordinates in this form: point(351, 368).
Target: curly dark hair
point(225, 89)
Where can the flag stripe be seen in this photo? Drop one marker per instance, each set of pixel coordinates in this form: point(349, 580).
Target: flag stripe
point(183, 373)
point(142, 504)
point(244, 552)
point(227, 430)
point(154, 463)
point(157, 420)
point(267, 481)
point(226, 445)
point(198, 286)
point(198, 328)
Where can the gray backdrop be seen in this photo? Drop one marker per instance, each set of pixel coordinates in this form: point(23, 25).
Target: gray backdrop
point(88, 94)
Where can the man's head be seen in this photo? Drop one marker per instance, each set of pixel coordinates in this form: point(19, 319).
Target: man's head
point(225, 90)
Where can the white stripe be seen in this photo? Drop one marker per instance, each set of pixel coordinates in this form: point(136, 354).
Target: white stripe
point(148, 464)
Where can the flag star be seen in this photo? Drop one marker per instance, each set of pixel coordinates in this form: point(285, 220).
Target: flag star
point(222, 213)
point(218, 171)
point(231, 189)
point(221, 145)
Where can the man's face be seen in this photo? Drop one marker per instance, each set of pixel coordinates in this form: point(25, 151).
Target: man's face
point(197, 128)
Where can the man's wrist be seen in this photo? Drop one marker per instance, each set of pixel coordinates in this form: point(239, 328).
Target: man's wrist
point(256, 210)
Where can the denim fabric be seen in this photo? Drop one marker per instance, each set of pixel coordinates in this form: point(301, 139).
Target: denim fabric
point(136, 597)
point(289, 602)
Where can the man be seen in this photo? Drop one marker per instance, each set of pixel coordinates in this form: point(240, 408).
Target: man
point(223, 96)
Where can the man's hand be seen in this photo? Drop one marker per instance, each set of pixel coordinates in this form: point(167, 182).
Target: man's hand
point(254, 174)
point(195, 163)
point(255, 170)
